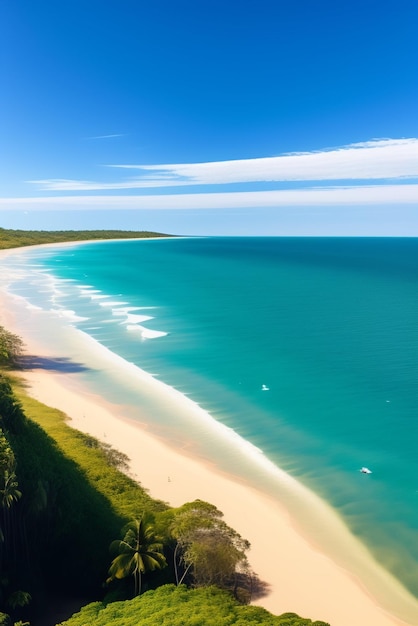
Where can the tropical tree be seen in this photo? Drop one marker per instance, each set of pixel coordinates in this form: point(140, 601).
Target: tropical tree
point(216, 555)
point(9, 553)
point(10, 346)
point(9, 492)
point(19, 599)
point(138, 552)
point(187, 522)
point(210, 552)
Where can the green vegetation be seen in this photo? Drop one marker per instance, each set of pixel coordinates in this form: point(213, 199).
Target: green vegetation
point(179, 606)
point(207, 551)
point(12, 535)
point(18, 238)
point(10, 347)
point(98, 463)
point(139, 551)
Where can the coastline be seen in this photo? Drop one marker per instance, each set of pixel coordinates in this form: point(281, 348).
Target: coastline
point(301, 577)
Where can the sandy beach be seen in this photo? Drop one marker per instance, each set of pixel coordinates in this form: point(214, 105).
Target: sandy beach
point(300, 577)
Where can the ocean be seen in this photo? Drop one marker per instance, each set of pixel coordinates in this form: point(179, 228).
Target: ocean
point(304, 351)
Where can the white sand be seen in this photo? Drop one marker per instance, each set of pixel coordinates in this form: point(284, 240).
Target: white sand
point(301, 578)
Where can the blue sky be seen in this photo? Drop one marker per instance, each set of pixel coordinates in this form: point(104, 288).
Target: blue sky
point(273, 117)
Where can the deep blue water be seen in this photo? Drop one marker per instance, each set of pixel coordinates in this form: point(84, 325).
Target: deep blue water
point(327, 326)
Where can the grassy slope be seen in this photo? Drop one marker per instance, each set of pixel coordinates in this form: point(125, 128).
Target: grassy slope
point(97, 463)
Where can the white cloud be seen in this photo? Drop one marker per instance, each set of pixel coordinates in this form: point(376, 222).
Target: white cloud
point(107, 136)
point(372, 160)
point(313, 196)
point(67, 184)
point(379, 159)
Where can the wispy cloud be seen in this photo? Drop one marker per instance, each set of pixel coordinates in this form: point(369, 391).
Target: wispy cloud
point(107, 136)
point(310, 197)
point(381, 159)
point(68, 184)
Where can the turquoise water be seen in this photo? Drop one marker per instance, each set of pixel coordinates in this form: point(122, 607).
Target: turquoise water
point(306, 347)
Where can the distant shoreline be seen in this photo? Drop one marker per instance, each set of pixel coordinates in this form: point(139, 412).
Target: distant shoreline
point(301, 579)
point(13, 239)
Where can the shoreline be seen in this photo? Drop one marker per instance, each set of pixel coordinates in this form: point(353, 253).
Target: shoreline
point(302, 578)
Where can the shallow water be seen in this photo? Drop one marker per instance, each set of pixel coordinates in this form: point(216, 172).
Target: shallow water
point(306, 348)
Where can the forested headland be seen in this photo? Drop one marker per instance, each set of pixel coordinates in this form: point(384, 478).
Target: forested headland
point(18, 238)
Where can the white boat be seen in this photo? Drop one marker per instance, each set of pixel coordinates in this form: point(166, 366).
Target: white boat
point(365, 470)
point(265, 388)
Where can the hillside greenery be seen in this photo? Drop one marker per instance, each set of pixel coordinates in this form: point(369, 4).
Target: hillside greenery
point(18, 238)
point(179, 606)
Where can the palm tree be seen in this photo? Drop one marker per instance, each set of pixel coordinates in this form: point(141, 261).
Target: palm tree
point(9, 492)
point(138, 552)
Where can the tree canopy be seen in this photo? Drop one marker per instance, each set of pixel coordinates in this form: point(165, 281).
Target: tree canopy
point(17, 238)
point(178, 606)
point(10, 347)
point(209, 551)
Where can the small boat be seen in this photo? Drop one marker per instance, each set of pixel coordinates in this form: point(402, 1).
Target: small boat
point(265, 388)
point(365, 470)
